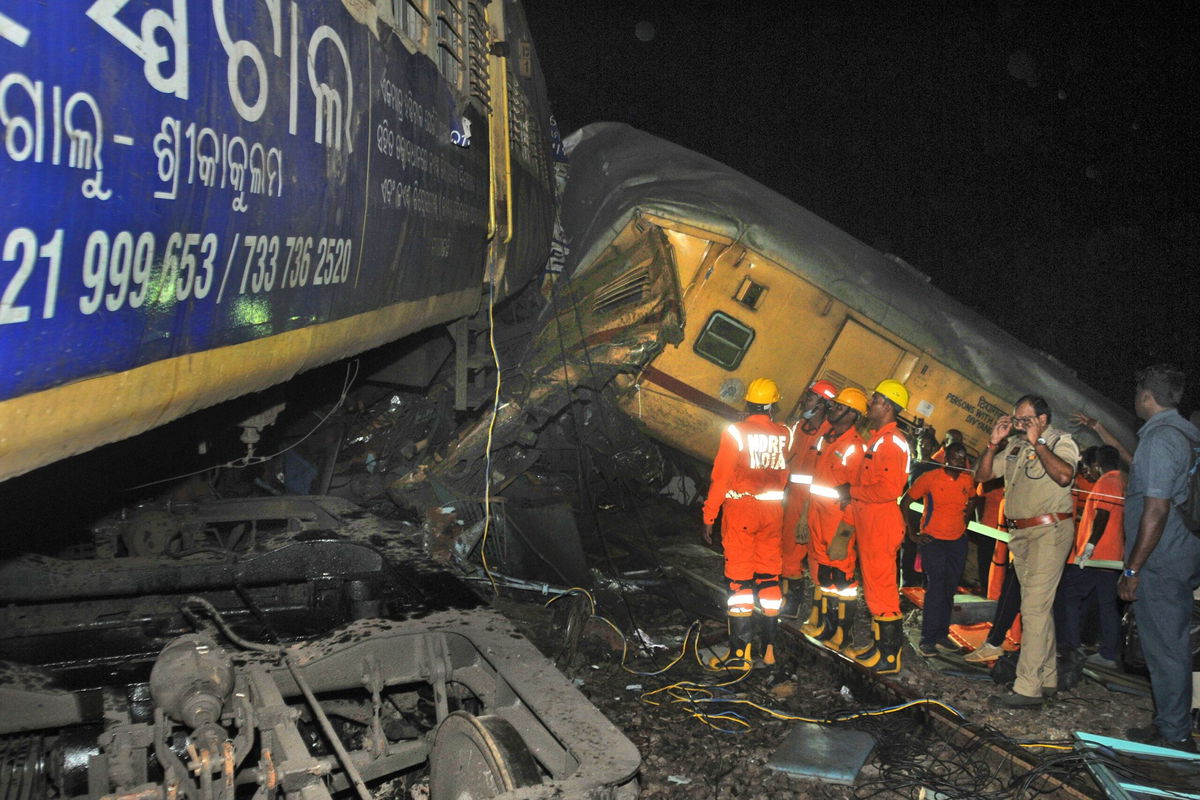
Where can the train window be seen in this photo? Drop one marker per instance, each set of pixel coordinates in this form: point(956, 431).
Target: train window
point(412, 19)
point(724, 340)
point(750, 293)
point(451, 26)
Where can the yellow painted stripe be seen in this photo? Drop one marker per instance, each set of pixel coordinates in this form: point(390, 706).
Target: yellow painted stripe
point(44, 427)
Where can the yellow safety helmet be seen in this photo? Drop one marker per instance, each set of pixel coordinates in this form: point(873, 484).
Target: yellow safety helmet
point(852, 397)
point(894, 391)
point(762, 392)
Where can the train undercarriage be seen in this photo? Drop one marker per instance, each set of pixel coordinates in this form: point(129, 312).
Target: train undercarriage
point(289, 646)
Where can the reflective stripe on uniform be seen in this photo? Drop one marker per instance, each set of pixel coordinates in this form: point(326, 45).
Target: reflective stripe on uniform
point(824, 491)
point(741, 601)
point(770, 604)
point(902, 443)
point(846, 455)
point(798, 477)
point(774, 494)
point(737, 436)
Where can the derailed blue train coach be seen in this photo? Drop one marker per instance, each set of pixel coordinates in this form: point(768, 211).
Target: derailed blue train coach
point(201, 198)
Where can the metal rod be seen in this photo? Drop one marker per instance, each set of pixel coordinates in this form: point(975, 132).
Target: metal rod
point(338, 747)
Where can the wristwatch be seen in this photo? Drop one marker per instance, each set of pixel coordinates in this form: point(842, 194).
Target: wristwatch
point(1129, 573)
point(1040, 441)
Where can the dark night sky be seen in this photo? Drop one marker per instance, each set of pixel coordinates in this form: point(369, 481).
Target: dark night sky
point(1035, 159)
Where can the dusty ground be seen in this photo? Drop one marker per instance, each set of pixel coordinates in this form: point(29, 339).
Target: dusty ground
point(686, 756)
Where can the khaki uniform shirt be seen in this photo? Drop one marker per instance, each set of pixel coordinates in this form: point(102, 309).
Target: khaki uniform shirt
point(1028, 490)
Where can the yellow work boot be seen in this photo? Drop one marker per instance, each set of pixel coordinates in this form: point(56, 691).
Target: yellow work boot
point(843, 637)
point(814, 613)
point(859, 651)
point(793, 593)
point(884, 659)
point(737, 655)
point(815, 624)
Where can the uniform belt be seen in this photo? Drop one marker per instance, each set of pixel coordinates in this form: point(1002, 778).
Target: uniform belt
point(1033, 522)
point(776, 494)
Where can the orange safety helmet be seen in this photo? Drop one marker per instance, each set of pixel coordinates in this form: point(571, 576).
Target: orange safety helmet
point(762, 392)
point(824, 389)
point(852, 397)
point(895, 391)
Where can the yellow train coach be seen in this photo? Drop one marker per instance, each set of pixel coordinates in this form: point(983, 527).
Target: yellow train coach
point(700, 280)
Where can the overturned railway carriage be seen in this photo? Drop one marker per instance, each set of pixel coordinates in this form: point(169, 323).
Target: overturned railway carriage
point(201, 199)
point(698, 280)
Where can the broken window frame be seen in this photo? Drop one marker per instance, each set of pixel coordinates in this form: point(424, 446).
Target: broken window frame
point(706, 334)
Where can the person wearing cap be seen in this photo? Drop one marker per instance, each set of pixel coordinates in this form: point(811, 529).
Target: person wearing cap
point(1038, 466)
point(831, 539)
point(873, 493)
point(749, 475)
point(806, 432)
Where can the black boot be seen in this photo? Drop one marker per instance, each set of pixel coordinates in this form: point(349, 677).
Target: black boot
point(765, 641)
point(793, 596)
point(812, 625)
point(815, 624)
point(829, 627)
point(843, 640)
point(884, 658)
point(741, 632)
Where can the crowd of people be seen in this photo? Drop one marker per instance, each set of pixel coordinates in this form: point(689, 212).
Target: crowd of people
point(848, 497)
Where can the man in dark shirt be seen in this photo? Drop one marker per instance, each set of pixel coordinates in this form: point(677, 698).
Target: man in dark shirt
point(1162, 557)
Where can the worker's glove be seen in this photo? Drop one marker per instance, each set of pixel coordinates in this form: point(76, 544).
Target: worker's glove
point(843, 494)
point(802, 531)
point(839, 545)
point(1086, 555)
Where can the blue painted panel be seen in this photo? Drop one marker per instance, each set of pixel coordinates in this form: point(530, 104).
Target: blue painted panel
point(177, 176)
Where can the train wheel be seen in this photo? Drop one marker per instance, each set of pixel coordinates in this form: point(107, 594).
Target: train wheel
point(478, 757)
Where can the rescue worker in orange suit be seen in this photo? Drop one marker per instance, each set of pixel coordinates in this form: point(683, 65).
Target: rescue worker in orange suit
point(948, 497)
point(748, 479)
point(831, 534)
point(1099, 536)
point(806, 432)
point(879, 525)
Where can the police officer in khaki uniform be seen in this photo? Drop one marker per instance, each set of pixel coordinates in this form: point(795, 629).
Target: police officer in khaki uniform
point(1038, 465)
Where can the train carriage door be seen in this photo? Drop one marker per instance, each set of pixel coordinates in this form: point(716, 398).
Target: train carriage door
point(860, 357)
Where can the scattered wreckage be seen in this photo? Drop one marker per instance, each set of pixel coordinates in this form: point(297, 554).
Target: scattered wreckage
point(299, 647)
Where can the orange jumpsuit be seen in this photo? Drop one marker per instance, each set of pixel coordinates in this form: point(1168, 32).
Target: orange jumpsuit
point(878, 523)
point(838, 461)
point(801, 462)
point(748, 479)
